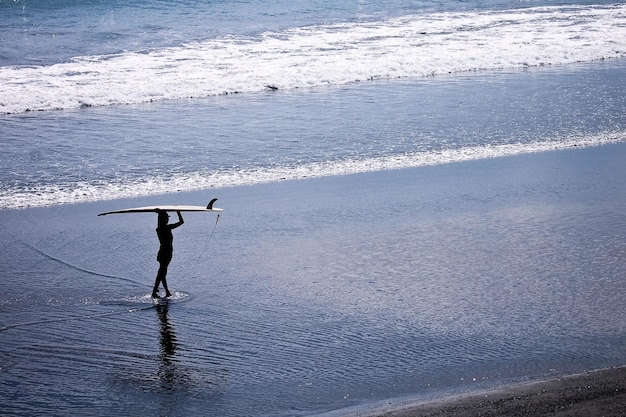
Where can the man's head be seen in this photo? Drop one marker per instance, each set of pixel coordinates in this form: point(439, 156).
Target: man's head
point(163, 217)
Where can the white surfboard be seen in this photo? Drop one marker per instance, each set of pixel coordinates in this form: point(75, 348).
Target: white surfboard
point(156, 209)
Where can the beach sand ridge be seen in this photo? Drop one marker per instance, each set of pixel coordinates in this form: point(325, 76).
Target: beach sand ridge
point(595, 393)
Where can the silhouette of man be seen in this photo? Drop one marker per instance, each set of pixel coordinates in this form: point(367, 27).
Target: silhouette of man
point(164, 232)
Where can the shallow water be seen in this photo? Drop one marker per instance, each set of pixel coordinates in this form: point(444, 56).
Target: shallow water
point(97, 154)
point(316, 295)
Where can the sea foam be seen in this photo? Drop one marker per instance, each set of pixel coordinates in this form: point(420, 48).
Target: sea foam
point(46, 195)
point(409, 46)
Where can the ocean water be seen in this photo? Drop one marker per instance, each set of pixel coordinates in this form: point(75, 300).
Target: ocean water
point(383, 239)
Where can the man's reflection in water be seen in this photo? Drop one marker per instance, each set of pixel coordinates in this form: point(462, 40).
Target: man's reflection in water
point(178, 382)
point(167, 367)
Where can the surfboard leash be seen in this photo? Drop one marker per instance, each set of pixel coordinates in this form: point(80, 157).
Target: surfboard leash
point(206, 246)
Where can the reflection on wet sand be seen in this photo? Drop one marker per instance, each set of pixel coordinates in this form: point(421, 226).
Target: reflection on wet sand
point(167, 366)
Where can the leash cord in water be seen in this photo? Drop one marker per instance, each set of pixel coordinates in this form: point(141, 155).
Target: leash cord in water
point(206, 246)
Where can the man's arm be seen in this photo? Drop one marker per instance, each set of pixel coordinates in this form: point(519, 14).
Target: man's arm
point(180, 221)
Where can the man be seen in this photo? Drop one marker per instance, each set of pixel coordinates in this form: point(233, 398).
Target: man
point(164, 232)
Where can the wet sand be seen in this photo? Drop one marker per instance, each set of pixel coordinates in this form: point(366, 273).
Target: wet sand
point(595, 393)
point(327, 294)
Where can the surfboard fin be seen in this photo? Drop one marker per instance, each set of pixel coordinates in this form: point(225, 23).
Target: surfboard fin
point(210, 205)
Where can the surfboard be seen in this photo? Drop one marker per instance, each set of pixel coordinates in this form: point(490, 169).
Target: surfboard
point(156, 209)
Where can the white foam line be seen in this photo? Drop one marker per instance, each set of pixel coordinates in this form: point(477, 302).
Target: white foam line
point(312, 56)
point(89, 192)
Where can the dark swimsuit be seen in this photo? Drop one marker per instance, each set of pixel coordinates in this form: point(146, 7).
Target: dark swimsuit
point(165, 238)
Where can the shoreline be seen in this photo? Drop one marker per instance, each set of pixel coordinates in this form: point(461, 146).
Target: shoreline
point(599, 392)
point(198, 182)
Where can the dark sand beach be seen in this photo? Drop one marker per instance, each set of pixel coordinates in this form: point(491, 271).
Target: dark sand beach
point(594, 393)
